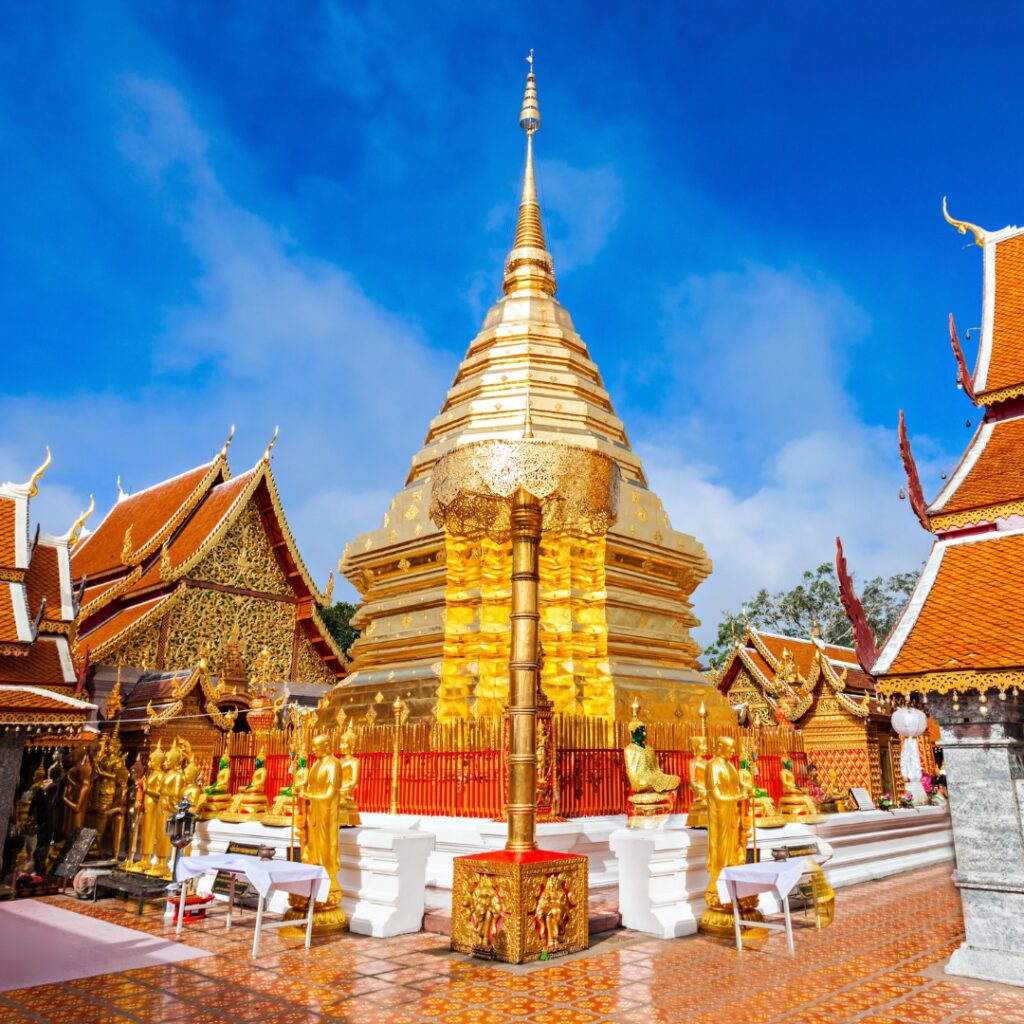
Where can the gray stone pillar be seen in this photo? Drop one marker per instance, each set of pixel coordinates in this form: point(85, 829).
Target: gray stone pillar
point(12, 745)
point(984, 766)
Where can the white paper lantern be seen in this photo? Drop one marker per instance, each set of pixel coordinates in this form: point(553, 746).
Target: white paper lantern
point(909, 722)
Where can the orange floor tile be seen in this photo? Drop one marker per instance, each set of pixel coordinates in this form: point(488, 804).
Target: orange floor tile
point(875, 965)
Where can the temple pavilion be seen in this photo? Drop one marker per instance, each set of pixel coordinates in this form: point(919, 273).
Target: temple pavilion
point(41, 699)
point(958, 647)
point(821, 690)
point(615, 610)
point(188, 583)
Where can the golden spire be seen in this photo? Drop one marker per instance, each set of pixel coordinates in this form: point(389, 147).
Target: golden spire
point(270, 447)
point(529, 267)
point(963, 226)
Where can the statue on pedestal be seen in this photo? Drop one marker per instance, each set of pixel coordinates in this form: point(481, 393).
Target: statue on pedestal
point(286, 802)
point(320, 795)
point(698, 816)
point(795, 803)
point(727, 838)
point(171, 785)
point(765, 815)
point(218, 796)
point(654, 791)
point(250, 802)
point(150, 810)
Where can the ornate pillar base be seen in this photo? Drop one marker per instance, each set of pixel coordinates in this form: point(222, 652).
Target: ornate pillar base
point(328, 918)
point(515, 907)
point(717, 919)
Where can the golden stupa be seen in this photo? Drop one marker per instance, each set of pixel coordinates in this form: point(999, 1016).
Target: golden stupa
point(615, 609)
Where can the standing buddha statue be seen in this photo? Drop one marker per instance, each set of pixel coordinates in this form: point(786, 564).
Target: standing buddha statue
point(727, 838)
point(151, 807)
point(251, 801)
point(77, 790)
point(698, 815)
point(348, 811)
point(653, 791)
point(171, 786)
point(320, 795)
point(193, 792)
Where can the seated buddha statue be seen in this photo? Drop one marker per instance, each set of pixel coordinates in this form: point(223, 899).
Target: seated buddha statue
point(250, 801)
point(654, 791)
point(765, 815)
point(218, 795)
point(280, 813)
point(348, 811)
point(795, 803)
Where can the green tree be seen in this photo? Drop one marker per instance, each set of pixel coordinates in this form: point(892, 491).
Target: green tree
point(337, 619)
point(792, 612)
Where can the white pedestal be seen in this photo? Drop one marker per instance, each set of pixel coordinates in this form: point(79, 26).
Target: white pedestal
point(383, 878)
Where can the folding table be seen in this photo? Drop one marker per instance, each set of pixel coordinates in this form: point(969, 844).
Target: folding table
point(775, 876)
point(305, 879)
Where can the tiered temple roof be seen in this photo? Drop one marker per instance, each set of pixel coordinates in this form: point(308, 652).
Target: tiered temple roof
point(174, 570)
point(963, 625)
point(39, 680)
point(785, 677)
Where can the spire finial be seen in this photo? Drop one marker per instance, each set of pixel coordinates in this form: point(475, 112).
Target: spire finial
point(529, 267)
point(964, 226)
point(80, 521)
point(227, 443)
point(33, 484)
point(270, 447)
point(120, 489)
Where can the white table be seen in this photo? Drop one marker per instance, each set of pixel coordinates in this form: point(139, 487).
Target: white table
point(775, 876)
point(305, 879)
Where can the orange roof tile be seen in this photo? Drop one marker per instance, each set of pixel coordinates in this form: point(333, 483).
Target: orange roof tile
point(124, 618)
point(40, 667)
point(8, 623)
point(147, 513)
point(8, 526)
point(991, 472)
point(43, 580)
point(803, 651)
point(94, 591)
point(1006, 362)
point(32, 698)
point(200, 525)
point(972, 616)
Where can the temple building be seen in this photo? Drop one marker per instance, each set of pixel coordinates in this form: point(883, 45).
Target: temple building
point(615, 609)
point(821, 690)
point(201, 570)
point(41, 700)
point(958, 648)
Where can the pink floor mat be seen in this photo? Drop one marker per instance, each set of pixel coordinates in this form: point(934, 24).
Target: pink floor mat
point(43, 944)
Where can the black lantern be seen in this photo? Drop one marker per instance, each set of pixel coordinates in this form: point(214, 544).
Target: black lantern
point(181, 827)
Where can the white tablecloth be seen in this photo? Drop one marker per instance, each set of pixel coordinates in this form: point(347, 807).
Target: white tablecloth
point(264, 874)
point(777, 876)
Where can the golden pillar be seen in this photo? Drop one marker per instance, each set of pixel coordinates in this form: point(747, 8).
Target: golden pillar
point(526, 518)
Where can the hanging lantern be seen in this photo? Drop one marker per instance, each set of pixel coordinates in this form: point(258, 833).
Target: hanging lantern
point(909, 722)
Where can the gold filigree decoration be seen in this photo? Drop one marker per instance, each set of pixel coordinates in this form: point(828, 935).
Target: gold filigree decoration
point(1001, 394)
point(126, 546)
point(473, 486)
point(244, 558)
point(952, 682)
point(976, 516)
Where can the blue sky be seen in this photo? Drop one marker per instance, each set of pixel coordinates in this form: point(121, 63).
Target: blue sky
point(297, 214)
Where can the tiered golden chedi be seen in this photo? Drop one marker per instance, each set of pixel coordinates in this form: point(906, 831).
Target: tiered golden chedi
point(615, 609)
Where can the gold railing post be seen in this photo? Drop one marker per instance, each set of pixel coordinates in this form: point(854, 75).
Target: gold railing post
point(522, 703)
point(401, 710)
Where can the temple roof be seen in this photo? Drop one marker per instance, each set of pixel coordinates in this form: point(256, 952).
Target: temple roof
point(788, 671)
point(999, 371)
point(967, 610)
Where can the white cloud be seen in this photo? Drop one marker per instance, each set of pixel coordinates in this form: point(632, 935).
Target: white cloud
point(770, 460)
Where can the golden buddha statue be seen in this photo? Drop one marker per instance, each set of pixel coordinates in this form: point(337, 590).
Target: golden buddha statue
point(698, 815)
point(150, 810)
point(250, 802)
point(218, 795)
point(25, 801)
point(77, 791)
point(348, 811)
point(286, 802)
point(795, 803)
point(320, 795)
point(761, 804)
point(654, 791)
point(727, 838)
point(193, 792)
point(171, 786)
point(119, 814)
point(103, 808)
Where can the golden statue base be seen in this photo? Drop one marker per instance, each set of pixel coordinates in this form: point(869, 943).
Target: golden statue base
point(773, 821)
point(519, 907)
point(717, 919)
point(328, 918)
point(235, 817)
point(649, 810)
point(806, 819)
point(276, 820)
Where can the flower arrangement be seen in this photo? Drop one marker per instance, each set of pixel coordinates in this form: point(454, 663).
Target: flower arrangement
point(885, 802)
point(907, 800)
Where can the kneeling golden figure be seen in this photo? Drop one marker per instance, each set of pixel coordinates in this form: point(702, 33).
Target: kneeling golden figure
point(654, 791)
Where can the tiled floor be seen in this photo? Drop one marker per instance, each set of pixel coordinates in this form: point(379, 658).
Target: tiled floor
point(875, 965)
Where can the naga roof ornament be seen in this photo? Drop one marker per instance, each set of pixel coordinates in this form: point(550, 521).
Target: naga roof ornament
point(964, 226)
